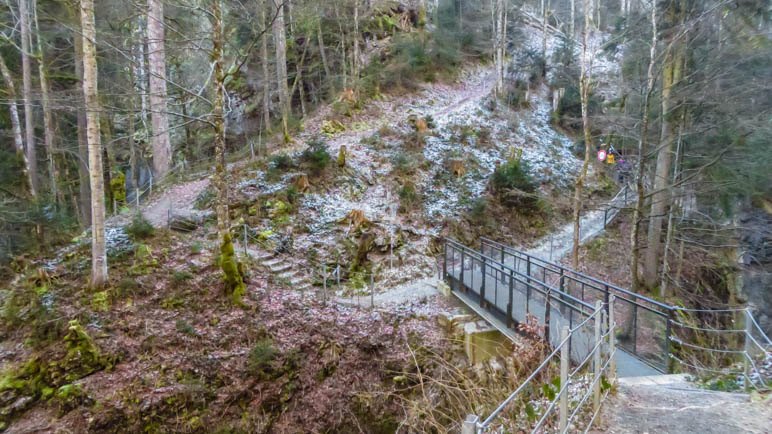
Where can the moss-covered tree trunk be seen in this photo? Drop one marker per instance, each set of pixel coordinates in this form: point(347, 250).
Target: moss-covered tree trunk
point(232, 269)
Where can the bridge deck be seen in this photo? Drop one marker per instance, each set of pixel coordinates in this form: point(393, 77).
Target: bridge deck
point(487, 288)
point(627, 365)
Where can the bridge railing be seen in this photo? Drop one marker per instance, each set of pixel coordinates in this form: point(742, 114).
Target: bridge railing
point(643, 323)
point(515, 298)
point(570, 398)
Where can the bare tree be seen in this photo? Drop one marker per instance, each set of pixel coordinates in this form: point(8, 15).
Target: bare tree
point(162, 152)
point(672, 71)
point(642, 146)
point(280, 41)
point(90, 92)
point(48, 118)
point(84, 193)
point(18, 141)
point(584, 93)
point(264, 62)
point(26, 71)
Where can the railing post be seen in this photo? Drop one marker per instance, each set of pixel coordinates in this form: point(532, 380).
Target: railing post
point(461, 275)
point(605, 217)
point(547, 316)
point(606, 297)
point(482, 285)
point(612, 338)
point(746, 354)
point(528, 265)
point(635, 329)
point(668, 338)
point(444, 260)
point(510, 320)
point(564, 360)
point(596, 357)
point(470, 424)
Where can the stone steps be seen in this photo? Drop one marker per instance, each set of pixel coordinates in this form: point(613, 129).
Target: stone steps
point(282, 269)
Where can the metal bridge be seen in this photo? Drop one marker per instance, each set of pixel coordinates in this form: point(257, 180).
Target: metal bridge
point(509, 286)
point(604, 330)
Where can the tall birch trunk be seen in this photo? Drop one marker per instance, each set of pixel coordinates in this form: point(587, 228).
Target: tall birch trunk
point(18, 141)
point(584, 91)
point(572, 24)
point(162, 152)
point(26, 68)
point(90, 93)
point(281, 68)
point(498, 51)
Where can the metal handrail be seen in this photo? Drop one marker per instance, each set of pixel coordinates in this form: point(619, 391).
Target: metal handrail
point(549, 289)
point(582, 275)
point(566, 377)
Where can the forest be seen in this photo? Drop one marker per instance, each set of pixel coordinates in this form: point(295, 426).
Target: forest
point(233, 216)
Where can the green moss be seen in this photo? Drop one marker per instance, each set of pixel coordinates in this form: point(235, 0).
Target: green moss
point(232, 270)
point(41, 379)
point(100, 301)
point(118, 187)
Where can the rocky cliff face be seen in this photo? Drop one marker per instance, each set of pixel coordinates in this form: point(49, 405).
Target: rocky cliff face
point(755, 259)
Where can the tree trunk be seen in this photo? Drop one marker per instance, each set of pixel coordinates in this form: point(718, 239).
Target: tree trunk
point(220, 180)
point(90, 92)
point(660, 196)
point(663, 285)
point(642, 145)
point(499, 28)
point(322, 53)
point(18, 141)
point(584, 91)
point(266, 74)
point(355, 61)
point(162, 152)
point(84, 196)
point(572, 24)
point(26, 68)
point(281, 68)
point(48, 119)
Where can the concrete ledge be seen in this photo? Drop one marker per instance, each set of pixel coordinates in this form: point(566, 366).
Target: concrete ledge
point(656, 380)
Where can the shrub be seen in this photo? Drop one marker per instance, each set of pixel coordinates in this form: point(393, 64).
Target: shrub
point(513, 185)
point(139, 228)
point(402, 165)
point(180, 277)
point(282, 162)
point(516, 94)
point(409, 197)
point(261, 357)
point(316, 156)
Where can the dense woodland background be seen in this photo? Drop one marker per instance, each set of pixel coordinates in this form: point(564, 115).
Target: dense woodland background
point(105, 102)
point(709, 96)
